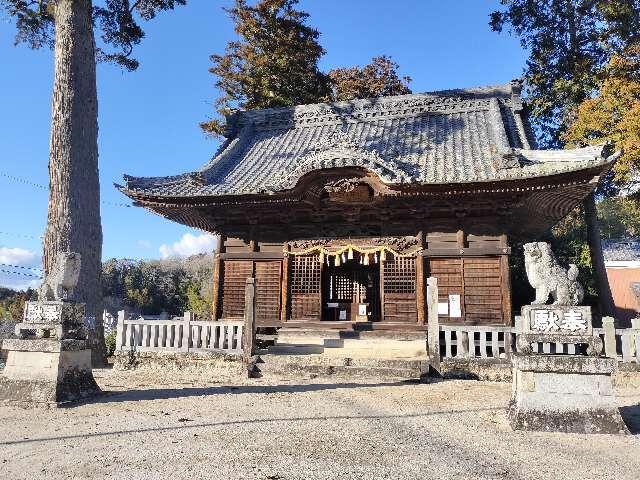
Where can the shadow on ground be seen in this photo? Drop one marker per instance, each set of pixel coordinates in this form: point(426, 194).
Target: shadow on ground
point(631, 417)
point(169, 393)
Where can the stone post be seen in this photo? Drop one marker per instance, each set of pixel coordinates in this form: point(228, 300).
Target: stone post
point(120, 330)
point(186, 331)
point(608, 325)
point(433, 328)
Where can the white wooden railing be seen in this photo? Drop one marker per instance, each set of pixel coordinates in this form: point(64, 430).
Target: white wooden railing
point(493, 342)
point(179, 334)
point(461, 341)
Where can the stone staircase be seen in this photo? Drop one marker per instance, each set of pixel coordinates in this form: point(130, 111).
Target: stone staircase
point(350, 354)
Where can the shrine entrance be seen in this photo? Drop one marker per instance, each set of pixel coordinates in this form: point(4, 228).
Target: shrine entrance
point(351, 291)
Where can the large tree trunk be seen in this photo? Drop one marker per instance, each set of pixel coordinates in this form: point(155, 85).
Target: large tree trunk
point(605, 298)
point(73, 221)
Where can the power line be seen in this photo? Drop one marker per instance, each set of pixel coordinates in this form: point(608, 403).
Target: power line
point(23, 235)
point(24, 181)
point(35, 269)
point(9, 272)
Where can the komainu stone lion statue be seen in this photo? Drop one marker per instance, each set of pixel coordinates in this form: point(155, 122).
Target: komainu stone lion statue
point(62, 279)
point(548, 278)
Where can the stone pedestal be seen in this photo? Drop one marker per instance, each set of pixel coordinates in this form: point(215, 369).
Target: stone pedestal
point(46, 372)
point(564, 393)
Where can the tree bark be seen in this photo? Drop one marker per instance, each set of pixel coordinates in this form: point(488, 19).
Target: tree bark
point(605, 299)
point(73, 220)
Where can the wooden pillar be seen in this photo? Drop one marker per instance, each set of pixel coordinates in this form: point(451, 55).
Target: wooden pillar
point(249, 318)
point(285, 285)
point(433, 332)
point(461, 239)
point(217, 279)
point(420, 297)
point(505, 281)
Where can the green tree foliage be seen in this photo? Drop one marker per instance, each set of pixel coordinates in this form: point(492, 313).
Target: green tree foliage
point(273, 64)
point(378, 79)
point(570, 42)
point(155, 286)
point(12, 303)
point(118, 20)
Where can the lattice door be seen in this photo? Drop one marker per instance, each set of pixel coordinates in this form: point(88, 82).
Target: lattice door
point(236, 273)
point(268, 290)
point(399, 287)
point(304, 287)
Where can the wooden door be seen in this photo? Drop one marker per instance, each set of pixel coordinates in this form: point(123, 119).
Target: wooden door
point(304, 287)
point(268, 276)
point(234, 281)
point(480, 283)
point(399, 290)
point(483, 287)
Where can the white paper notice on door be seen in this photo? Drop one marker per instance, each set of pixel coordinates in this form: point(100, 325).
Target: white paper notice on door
point(454, 306)
point(342, 315)
point(443, 308)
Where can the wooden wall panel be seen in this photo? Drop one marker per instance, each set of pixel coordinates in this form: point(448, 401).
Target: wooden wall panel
point(399, 290)
point(268, 289)
point(448, 271)
point(480, 283)
point(304, 287)
point(483, 291)
point(235, 277)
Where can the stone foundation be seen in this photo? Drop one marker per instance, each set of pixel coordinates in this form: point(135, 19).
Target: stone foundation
point(47, 372)
point(564, 393)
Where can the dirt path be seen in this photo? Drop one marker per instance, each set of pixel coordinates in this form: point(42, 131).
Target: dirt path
point(284, 429)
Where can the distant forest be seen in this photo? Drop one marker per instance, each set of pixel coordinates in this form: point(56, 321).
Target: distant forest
point(142, 286)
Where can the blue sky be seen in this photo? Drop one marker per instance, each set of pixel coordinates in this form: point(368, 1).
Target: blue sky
point(149, 118)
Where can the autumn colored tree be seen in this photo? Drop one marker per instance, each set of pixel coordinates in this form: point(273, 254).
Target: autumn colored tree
point(614, 114)
point(570, 43)
point(273, 64)
point(67, 26)
point(378, 79)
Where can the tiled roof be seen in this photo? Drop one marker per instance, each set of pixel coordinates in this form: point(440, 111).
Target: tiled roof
point(447, 137)
point(622, 250)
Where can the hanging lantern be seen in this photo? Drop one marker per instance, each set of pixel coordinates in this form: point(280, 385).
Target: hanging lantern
point(321, 257)
point(361, 259)
point(366, 259)
point(337, 261)
point(383, 255)
point(344, 258)
point(375, 257)
point(350, 254)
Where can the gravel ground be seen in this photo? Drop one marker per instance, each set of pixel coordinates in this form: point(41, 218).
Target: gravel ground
point(150, 428)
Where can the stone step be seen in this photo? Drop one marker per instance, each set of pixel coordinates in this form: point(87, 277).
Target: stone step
point(343, 367)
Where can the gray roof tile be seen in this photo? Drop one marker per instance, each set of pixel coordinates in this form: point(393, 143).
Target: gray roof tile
point(448, 137)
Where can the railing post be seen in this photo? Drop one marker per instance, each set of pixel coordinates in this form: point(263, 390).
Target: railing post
point(186, 331)
point(635, 337)
point(608, 325)
point(249, 319)
point(120, 339)
point(463, 344)
point(433, 327)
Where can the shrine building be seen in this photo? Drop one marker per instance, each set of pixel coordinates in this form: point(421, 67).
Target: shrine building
point(340, 211)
